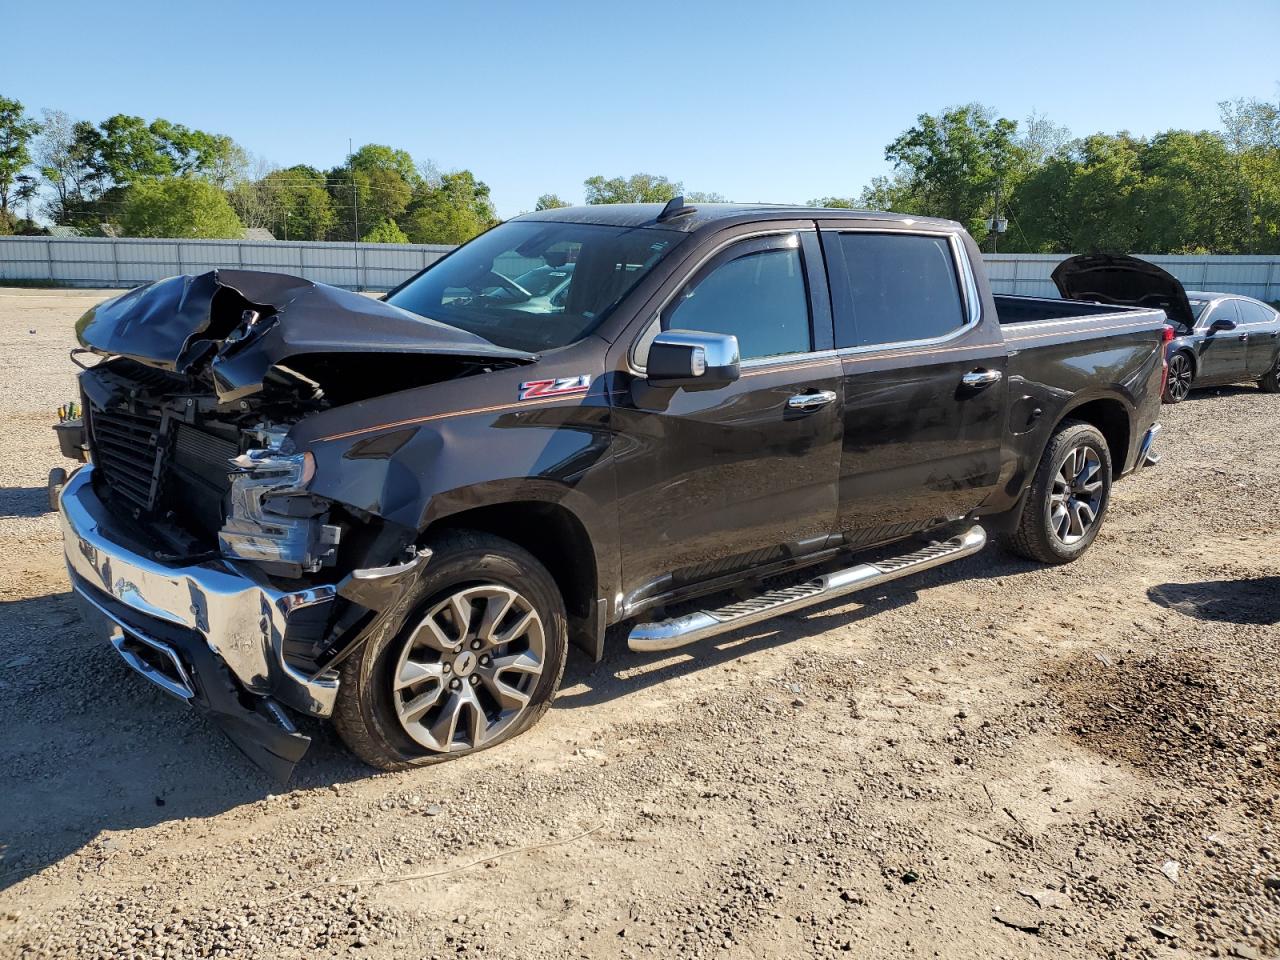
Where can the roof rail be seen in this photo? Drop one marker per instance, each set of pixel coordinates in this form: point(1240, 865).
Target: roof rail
point(675, 208)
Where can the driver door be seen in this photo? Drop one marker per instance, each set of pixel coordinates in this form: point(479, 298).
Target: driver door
point(1224, 353)
point(713, 482)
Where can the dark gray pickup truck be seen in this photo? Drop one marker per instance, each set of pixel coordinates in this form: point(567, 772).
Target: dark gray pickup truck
point(399, 513)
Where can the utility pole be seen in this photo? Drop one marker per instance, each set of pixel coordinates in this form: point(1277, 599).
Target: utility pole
point(995, 222)
point(355, 212)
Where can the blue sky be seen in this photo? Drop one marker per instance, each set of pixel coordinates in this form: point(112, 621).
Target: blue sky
point(778, 101)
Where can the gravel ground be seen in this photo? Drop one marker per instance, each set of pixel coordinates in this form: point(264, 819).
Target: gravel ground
point(991, 760)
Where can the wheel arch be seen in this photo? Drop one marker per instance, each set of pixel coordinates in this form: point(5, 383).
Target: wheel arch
point(1112, 418)
point(1189, 352)
point(560, 541)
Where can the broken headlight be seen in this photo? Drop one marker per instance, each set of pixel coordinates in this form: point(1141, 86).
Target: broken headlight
point(271, 518)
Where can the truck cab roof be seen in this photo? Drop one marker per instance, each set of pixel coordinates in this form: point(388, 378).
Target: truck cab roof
point(701, 215)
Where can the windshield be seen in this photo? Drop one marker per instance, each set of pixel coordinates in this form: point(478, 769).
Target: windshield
point(1197, 307)
point(535, 286)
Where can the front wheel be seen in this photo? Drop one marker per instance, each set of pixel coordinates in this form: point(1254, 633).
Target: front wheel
point(1068, 498)
point(477, 661)
point(1178, 385)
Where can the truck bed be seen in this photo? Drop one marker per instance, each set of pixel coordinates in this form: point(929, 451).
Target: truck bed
point(1015, 309)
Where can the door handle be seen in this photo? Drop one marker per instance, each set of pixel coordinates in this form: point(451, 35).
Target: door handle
point(811, 401)
point(1244, 336)
point(977, 379)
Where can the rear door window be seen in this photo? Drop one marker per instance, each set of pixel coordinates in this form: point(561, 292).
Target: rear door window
point(1251, 312)
point(899, 288)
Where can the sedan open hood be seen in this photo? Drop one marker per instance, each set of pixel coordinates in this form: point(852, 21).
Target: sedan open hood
point(241, 323)
point(1126, 281)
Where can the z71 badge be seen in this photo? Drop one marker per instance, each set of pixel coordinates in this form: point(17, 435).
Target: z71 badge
point(561, 387)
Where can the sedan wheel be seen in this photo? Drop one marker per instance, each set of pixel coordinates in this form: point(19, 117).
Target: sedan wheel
point(466, 673)
point(1180, 376)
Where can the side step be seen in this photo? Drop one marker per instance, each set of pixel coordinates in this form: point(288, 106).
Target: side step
point(669, 634)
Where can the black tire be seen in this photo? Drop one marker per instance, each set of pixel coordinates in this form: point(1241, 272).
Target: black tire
point(1037, 536)
point(1270, 381)
point(366, 714)
point(1181, 377)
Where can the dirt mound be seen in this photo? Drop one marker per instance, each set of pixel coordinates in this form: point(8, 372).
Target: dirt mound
point(1175, 716)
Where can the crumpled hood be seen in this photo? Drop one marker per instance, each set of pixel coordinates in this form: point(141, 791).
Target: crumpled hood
point(1126, 281)
point(243, 322)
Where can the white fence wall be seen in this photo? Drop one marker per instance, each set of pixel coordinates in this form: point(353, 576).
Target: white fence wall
point(102, 262)
point(1028, 273)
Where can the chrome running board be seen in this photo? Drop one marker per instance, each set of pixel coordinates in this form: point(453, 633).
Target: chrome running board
point(1147, 457)
point(669, 634)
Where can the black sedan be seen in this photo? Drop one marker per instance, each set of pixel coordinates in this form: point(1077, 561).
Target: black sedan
point(1234, 339)
point(1217, 338)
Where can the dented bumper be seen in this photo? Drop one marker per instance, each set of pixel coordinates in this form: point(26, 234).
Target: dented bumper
point(236, 612)
point(216, 634)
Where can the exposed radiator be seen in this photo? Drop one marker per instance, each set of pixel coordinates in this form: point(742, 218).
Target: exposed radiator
point(127, 449)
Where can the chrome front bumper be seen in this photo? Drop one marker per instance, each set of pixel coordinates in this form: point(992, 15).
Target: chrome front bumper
point(240, 616)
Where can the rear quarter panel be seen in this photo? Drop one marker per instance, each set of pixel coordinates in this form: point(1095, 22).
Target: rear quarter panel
point(1058, 366)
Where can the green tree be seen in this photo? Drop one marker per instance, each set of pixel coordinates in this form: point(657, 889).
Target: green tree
point(834, 203)
point(376, 183)
point(307, 207)
point(292, 202)
point(1251, 131)
point(637, 188)
point(178, 207)
point(1088, 201)
point(949, 165)
point(60, 156)
point(16, 131)
point(704, 196)
point(388, 231)
point(1191, 197)
point(549, 201)
point(452, 208)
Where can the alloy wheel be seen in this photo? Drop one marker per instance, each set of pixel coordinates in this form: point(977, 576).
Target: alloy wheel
point(1076, 499)
point(468, 670)
point(1179, 377)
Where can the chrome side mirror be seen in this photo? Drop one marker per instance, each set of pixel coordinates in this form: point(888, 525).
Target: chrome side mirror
point(692, 359)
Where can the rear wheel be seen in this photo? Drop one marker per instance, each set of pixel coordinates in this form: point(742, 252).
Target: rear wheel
point(1270, 382)
point(1068, 498)
point(477, 662)
point(1181, 374)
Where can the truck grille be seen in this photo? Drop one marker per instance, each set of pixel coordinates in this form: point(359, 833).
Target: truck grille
point(127, 449)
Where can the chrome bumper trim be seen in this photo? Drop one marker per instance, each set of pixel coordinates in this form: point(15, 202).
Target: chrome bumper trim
point(237, 611)
point(122, 637)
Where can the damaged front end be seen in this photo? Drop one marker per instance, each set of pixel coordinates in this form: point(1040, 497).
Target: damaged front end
point(194, 537)
point(270, 517)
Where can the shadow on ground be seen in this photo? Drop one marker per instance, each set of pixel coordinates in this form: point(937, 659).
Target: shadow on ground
point(89, 747)
point(622, 672)
point(1212, 393)
point(1252, 600)
point(23, 501)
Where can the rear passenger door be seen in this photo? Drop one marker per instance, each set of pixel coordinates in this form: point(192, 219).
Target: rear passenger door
point(1263, 326)
point(923, 376)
